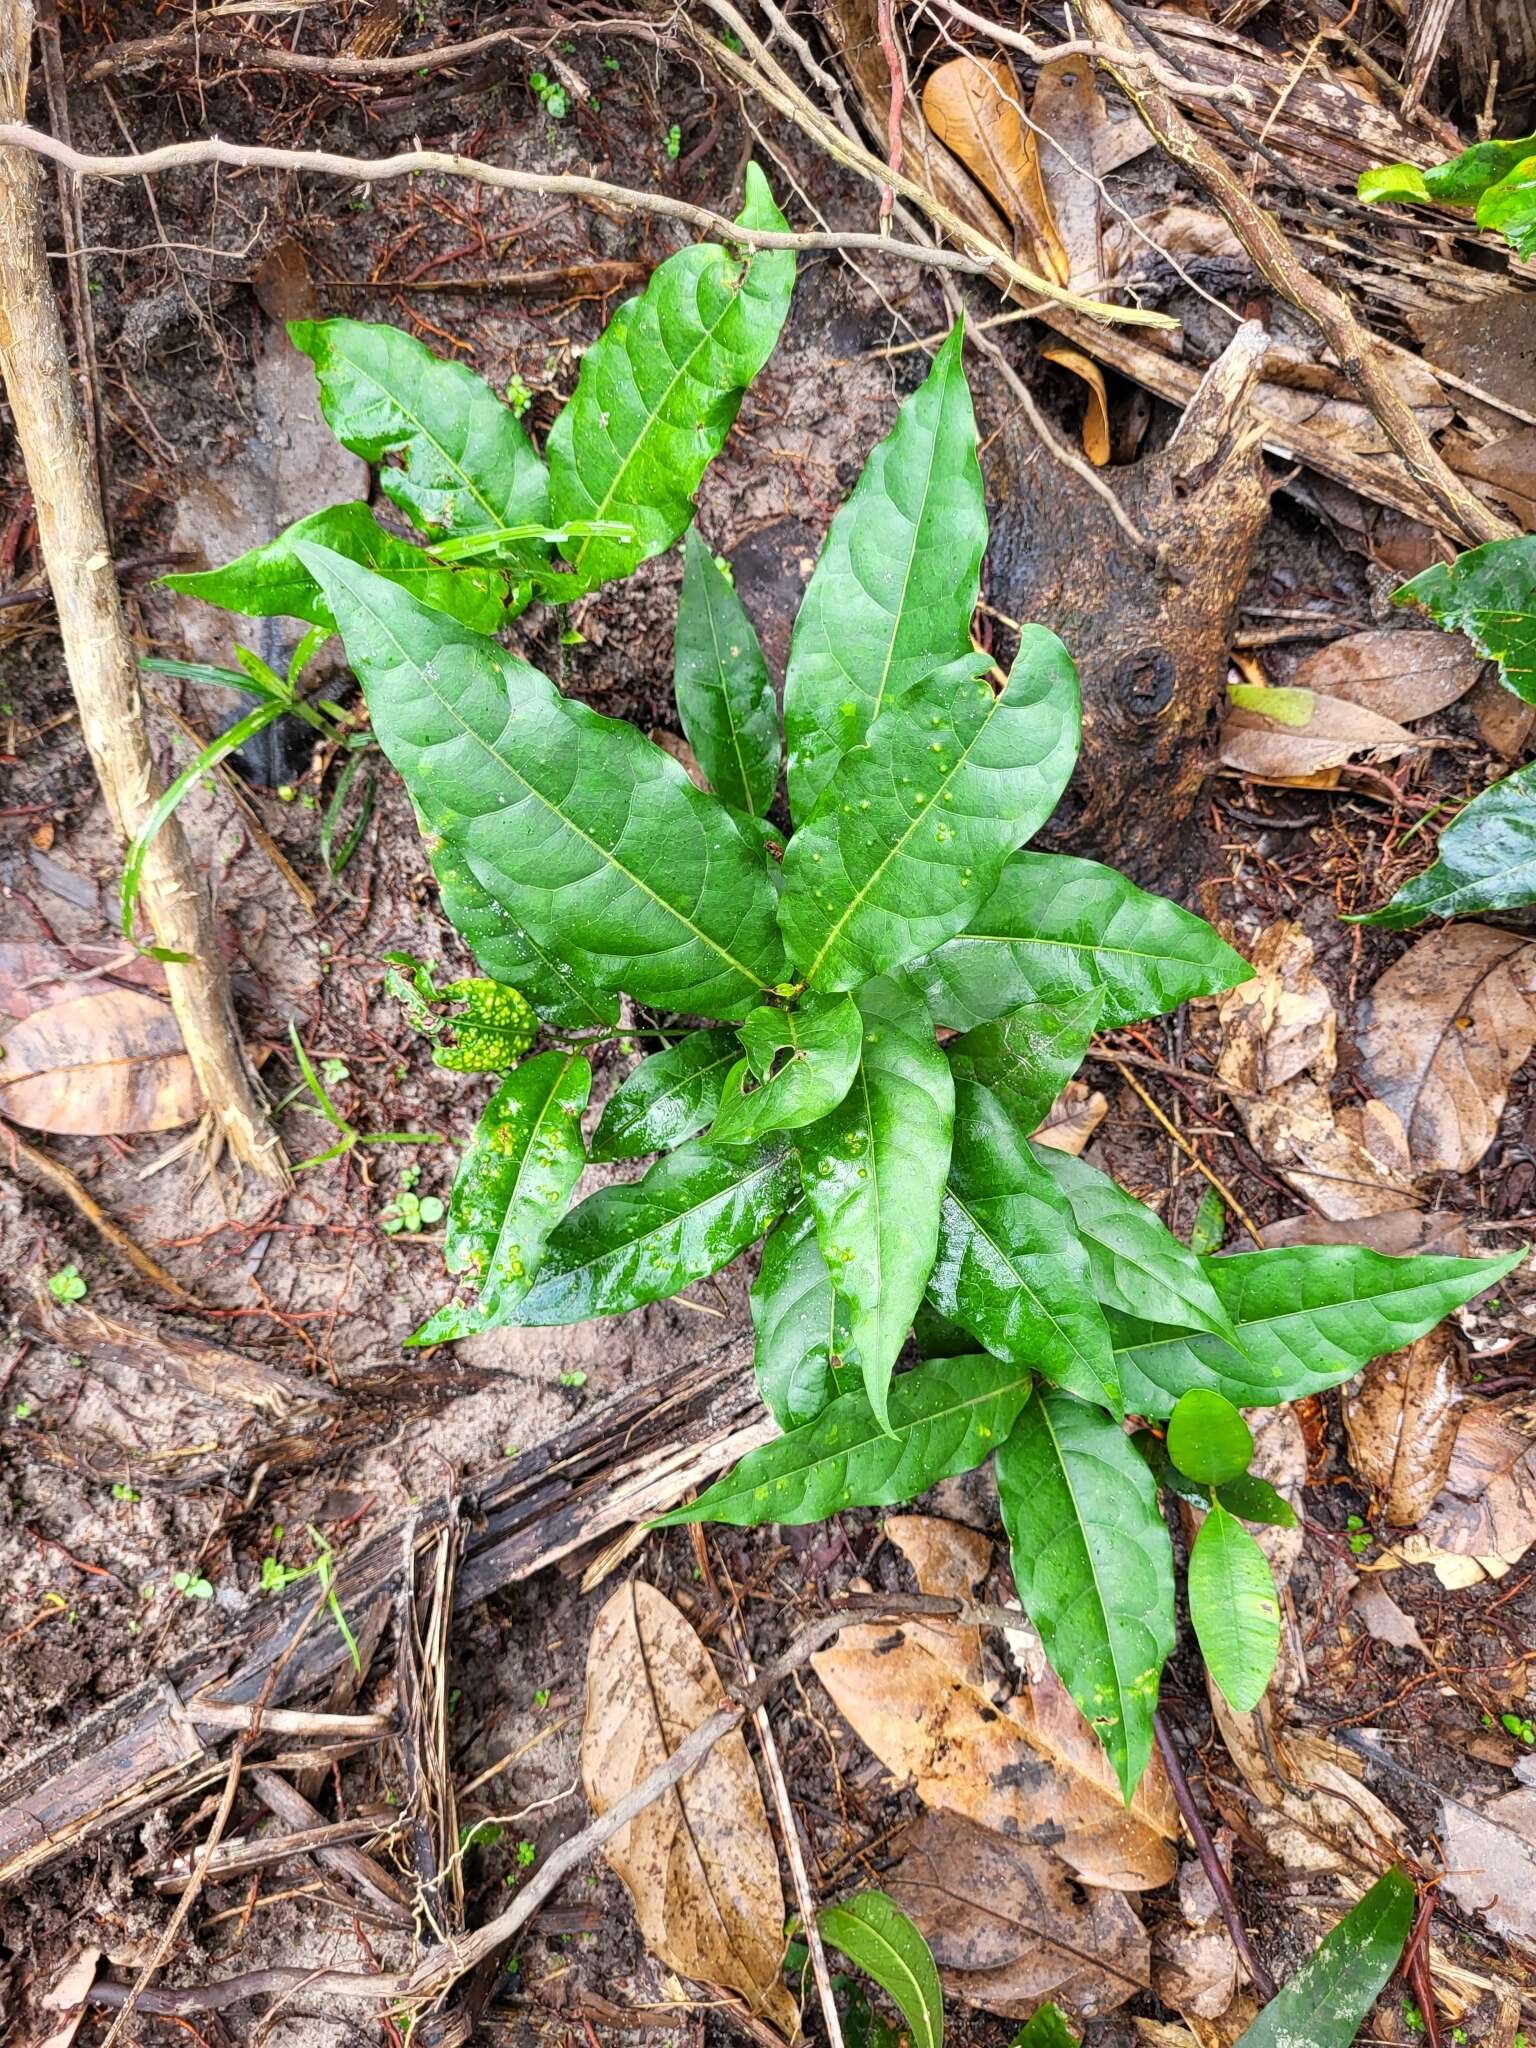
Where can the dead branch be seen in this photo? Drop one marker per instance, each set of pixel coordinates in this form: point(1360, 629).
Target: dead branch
point(98, 651)
point(74, 1190)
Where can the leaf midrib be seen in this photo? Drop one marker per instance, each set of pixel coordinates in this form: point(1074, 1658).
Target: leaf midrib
point(1021, 1282)
point(742, 777)
point(1123, 1725)
point(674, 1221)
point(498, 514)
point(535, 1130)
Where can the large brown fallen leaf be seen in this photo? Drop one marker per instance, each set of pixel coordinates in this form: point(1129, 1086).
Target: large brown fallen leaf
point(699, 1862)
point(1310, 1805)
point(1400, 1417)
point(1008, 1928)
point(1399, 1233)
point(111, 1063)
point(1281, 734)
point(1484, 1520)
point(976, 110)
point(1400, 676)
point(949, 1561)
point(1490, 1855)
point(1070, 124)
point(1446, 1029)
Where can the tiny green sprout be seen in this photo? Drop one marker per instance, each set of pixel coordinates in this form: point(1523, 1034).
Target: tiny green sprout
point(509, 1450)
point(674, 142)
point(526, 1855)
point(68, 1284)
point(612, 64)
point(22, 1411)
point(572, 637)
point(1360, 1542)
point(479, 1834)
point(286, 793)
point(453, 1699)
point(192, 1586)
point(121, 1490)
point(333, 1070)
point(1459, 2036)
point(573, 1379)
point(409, 1214)
point(1520, 1727)
point(550, 94)
point(518, 396)
point(541, 1697)
point(1413, 2019)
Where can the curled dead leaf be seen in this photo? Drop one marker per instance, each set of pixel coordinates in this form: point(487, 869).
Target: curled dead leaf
point(1074, 1116)
point(1484, 1520)
point(96, 1065)
point(1400, 676)
point(1309, 1803)
point(976, 110)
point(1279, 734)
point(1400, 1417)
point(1096, 438)
point(699, 1863)
point(1490, 1856)
point(1071, 125)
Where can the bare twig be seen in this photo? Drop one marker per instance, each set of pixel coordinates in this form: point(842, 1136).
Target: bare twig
point(1189, 1151)
point(1211, 1863)
point(74, 1191)
point(1048, 53)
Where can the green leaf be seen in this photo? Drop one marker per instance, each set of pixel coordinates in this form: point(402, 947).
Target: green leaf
point(896, 582)
point(1055, 928)
point(468, 465)
point(1028, 1057)
point(820, 1041)
point(594, 840)
point(1254, 1500)
point(669, 1097)
point(1488, 593)
point(724, 692)
point(491, 1033)
point(873, 1171)
point(873, 1932)
point(801, 1325)
point(1010, 1266)
point(1210, 1226)
point(1207, 1437)
point(910, 834)
point(686, 1218)
point(1046, 2027)
point(1138, 1265)
point(936, 1336)
point(660, 389)
point(1093, 1566)
point(1326, 2002)
point(510, 954)
point(512, 1187)
point(1509, 208)
point(270, 582)
point(1402, 183)
point(1234, 1609)
point(1307, 1317)
point(1486, 860)
point(945, 1417)
point(1168, 1476)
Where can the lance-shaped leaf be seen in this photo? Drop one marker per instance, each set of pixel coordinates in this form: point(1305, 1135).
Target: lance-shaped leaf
point(873, 1171)
point(510, 953)
point(1093, 1566)
point(270, 581)
point(724, 692)
point(802, 1327)
point(1306, 1316)
point(1326, 2002)
point(1486, 860)
point(1138, 1265)
point(1011, 1267)
point(799, 1064)
point(873, 1932)
point(909, 836)
point(468, 465)
point(1488, 593)
point(688, 1217)
point(594, 840)
point(669, 1097)
point(1055, 928)
point(660, 389)
point(512, 1187)
point(1234, 1609)
point(945, 1417)
point(896, 582)
point(1028, 1057)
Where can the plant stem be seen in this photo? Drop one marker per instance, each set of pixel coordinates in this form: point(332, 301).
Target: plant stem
point(1211, 1863)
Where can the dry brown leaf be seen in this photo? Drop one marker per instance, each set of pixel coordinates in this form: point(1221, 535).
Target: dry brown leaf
point(1490, 1855)
point(34, 975)
point(1074, 1116)
point(975, 109)
point(1180, 231)
point(1509, 465)
point(1446, 1029)
point(1008, 1928)
point(1310, 1804)
point(1396, 1232)
point(948, 1561)
point(1279, 734)
point(111, 1063)
point(1194, 1965)
point(699, 1863)
point(1069, 121)
point(1400, 1417)
point(1486, 1513)
point(1096, 417)
point(1380, 1616)
point(1401, 676)
point(1503, 720)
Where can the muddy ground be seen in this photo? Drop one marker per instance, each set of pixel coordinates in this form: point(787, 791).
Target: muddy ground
point(134, 1526)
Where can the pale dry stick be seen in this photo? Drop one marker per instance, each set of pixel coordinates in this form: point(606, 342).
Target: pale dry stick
point(981, 257)
point(74, 1191)
point(102, 667)
point(1356, 350)
point(1189, 1152)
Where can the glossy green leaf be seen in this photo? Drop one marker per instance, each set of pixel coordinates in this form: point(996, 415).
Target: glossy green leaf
point(1325, 2004)
point(1307, 1317)
point(1461, 181)
point(669, 1097)
point(1486, 860)
point(801, 1326)
point(1046, 2027)
point(1011, 1267)
point(1139, 1267)
point(1056, 927)
point(896, 582)
point(1234, 1608)
point(1207, 1437)
point(594, 840)
point(660, 388)
point(512, 1187)
point(799, 1064)
point(1169, 1478)
point(1400, 184)
point(1210, 1226)
point(491, 1033)
point(1253, 1499)
point(510, 953)
point(1029, 1056)
point(1093, 1566)
point(270, 582)
point(468, 465)
point(937, 1337)
point(724, 692)
point(873, 1932)
point(910, 834)
point(873, 1171)
point(945, 1417)
point(686, 1218)
point(1509, 208)
point(1488, 593)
